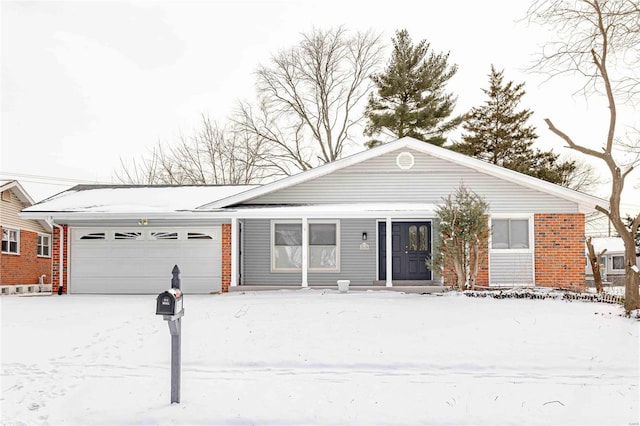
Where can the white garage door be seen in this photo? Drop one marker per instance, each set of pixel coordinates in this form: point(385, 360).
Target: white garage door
point(140, 261)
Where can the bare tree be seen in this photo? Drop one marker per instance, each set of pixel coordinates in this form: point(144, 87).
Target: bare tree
point(599, 40)
point(212, 155)
point(583, 178)
point(308, 97)
point(594, 261)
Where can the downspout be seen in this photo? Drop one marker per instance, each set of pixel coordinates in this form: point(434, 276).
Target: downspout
point(61, 267)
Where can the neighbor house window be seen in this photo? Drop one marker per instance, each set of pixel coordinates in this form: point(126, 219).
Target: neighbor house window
point(10, 241)
point(323, 248)
point(44, 245)
point(510, 234)
point(617, 262)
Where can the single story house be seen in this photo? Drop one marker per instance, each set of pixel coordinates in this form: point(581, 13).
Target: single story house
point(25, 258)
point(612, 266)
point(369, 218)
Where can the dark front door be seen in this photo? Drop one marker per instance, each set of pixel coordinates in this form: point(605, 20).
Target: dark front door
point(411, 247)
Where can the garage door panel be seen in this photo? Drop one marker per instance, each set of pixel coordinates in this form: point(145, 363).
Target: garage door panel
point(162, 251)
point(203, 268)
point(144, 266)
point(118, 286)
point(198, 251)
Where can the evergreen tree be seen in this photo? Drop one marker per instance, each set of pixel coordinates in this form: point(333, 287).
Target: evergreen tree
point(464, 235)
point(497, 132)
point(410, 98)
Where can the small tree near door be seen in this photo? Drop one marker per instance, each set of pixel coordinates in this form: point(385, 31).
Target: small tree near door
point(464, 235)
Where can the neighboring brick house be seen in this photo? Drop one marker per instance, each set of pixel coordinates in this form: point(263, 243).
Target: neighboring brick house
point(26, 255)
point(369, 218)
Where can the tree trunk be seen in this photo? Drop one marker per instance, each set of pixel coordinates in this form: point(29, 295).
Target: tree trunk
point(595, 264)
point(459, 263)
point(631, 299)
point(474, 264)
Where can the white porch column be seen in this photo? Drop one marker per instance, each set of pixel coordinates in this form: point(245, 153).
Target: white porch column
point(389, 253)
point(305, 251)
point(234, 252)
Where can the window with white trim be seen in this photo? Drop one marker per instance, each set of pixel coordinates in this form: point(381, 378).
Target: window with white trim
point(323, 246)
point(286, 246)
point(44, 245)
point(617, 263)
point(10, 241)
point(510, 234)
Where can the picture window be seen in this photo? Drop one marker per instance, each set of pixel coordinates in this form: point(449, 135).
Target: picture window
point(323, 246)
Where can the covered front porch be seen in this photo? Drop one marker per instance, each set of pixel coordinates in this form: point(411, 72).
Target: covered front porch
point(314, 246)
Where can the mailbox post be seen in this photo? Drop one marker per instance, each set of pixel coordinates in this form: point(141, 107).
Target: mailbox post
point(169, 305)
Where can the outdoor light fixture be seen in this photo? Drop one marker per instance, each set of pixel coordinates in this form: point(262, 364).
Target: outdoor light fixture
point(142, 222)
point(364, 236)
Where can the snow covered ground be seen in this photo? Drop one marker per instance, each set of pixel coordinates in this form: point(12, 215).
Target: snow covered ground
point(319, 357)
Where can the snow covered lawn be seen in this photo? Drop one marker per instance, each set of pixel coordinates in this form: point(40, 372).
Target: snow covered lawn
point(319, 357)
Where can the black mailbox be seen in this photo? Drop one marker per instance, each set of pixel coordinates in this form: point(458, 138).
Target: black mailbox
point(169, 302)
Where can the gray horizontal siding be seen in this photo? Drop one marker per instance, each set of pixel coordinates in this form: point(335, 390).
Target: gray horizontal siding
point(510, 268)
point(257, 256)
point(380, 180)
point(356, 265)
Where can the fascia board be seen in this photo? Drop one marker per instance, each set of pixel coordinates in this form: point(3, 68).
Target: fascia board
point(61, 217)
point(333, 211)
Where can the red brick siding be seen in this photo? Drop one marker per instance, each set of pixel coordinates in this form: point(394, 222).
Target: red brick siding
point(56, 258)
point(226, 257)
point(482, 279)
point(559, 250)
point(26, 267)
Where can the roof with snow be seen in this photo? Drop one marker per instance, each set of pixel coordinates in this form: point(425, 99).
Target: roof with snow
point(612, 244)
point(130, 199)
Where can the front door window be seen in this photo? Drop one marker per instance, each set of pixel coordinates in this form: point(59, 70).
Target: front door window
point(413, 238)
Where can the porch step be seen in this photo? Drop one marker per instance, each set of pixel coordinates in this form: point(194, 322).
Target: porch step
point(406, 283)
point(421, 289)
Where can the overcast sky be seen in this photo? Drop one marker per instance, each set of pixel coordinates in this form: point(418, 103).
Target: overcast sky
point(87, 83)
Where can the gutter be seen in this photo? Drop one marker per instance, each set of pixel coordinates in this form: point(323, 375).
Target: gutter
point(61, 267)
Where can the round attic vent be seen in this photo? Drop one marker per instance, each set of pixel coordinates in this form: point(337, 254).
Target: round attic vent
point(405, 160)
